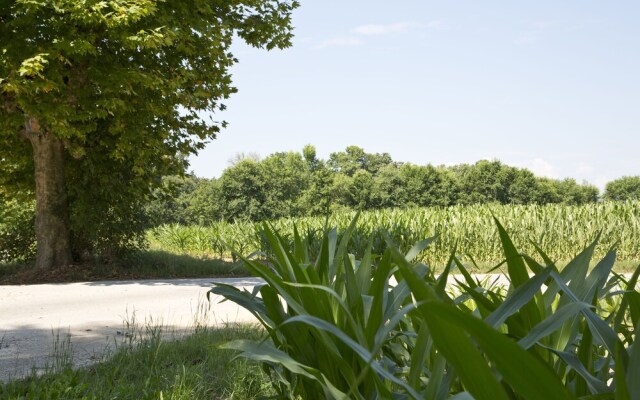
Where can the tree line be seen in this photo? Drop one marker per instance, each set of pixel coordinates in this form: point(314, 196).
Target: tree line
point(288, 184)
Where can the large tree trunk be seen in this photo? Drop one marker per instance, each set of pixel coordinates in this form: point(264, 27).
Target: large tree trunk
point(52, 212)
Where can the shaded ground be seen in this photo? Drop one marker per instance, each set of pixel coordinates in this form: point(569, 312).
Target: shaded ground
point(143, 265)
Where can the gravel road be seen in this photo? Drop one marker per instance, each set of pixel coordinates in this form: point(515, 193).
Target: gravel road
point(93, 316)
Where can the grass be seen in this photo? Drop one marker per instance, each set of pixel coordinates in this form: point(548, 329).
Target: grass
point(151, 264)
point(148, 367)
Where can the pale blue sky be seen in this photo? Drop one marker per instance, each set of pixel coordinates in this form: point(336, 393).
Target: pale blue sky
point(553, 86)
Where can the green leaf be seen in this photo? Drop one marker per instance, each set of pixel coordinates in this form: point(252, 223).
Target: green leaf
point(418, 357)
point(521, 296)
point(419, 247)
point(242, 298)
point(338, 261)
point(526, 374)
point(460, 352)
point(633, 369)
point(515, 264)
point(519, 276)
point(599, 328)
point(628, 302)
point(265, 351)
point(453, 343)
point(619, 376)
point(362, 352)
point(553, 322)
point(441, 282)
point(572, 361)
point(437, 381)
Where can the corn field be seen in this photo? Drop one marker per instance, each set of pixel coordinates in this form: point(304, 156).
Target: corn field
point(563, 231)
point(338, 327)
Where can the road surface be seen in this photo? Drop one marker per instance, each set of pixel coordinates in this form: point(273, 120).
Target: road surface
point(97, 316)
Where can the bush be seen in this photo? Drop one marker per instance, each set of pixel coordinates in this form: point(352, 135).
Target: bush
point(17, 234)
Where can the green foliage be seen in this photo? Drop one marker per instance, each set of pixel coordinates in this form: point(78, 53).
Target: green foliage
point(127, 65)
point(484, 182)
point(299, 184)
point(386, 327)
point(562, 229)
point(427, 186)
point(267, 189)
point(286, 176)
point(107, 203)
point(572, 193)
point(318, 197)
point(122, 85)
point(17, 235)
point(242, 191)
point(150, 367)
point(625, 188)
point(325, 310)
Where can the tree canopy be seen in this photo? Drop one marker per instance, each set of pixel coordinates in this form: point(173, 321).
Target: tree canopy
point(301, 184)
point(625, 188)
point(111, 95)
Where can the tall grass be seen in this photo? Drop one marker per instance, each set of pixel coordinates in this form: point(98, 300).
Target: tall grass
point(148, 366)
point(346, 328)
point(561, 230)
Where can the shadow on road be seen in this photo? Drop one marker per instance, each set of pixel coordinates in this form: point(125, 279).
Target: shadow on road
point(201, 282)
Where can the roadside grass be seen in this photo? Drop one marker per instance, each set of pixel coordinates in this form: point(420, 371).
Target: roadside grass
point(166, 265)
point(149, 264)
point(147, 366)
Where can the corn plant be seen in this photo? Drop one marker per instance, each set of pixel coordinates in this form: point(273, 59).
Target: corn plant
point(563, 231)
point(388, 327)
point(332, 337)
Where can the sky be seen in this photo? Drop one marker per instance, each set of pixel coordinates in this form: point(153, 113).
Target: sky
point(545, 85)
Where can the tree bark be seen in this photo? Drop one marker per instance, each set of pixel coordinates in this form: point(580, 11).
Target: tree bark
point(52, 210)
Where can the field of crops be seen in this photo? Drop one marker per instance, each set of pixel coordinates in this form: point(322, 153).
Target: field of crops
point(563, 231)
point(340, 327)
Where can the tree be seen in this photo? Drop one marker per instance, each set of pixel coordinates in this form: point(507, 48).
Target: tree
point(482, 182)
point(347, 162)
point(169, 203)
point(354, 158)
point(389, 187)
point(360, 192)
point(286, 179)
point(547, 191)
point(238, 157)
point(204, 205)
point(428, 186)
point(319, 195)
point(571, 192)
point(310, 157)
point(625, 188)
point(242, 192)
point(524, 188)
point(128, 79)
